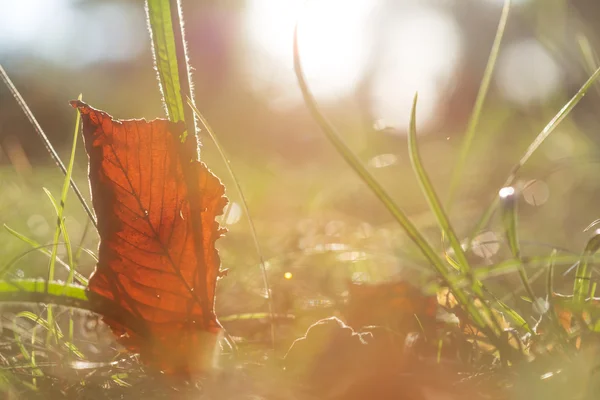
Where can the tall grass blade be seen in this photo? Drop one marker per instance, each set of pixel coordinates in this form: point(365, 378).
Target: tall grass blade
point(479, 101)
point(433, 200)
point(548, 129)
point(508, 197)
point(60, 224)
point(60, 230)
point(437, 208)
point(583, 274)
point(46, 142)
point(398, 214)
point(238, 187)
point(168, 48)
point(44, 324)
point(42, 248)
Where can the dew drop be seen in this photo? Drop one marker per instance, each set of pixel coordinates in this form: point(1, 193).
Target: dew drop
point(506, 192)
point(191, 289)
point(158, 296)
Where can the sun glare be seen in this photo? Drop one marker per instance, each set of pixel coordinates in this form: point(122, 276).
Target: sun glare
point(332, 40)
point(424, 48)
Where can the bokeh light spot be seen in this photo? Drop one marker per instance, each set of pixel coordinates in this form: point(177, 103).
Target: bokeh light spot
point(535, 192)
point(527, 73)
point(485, 245)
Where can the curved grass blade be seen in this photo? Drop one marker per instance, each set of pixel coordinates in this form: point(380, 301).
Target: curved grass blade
point(583, 274)
point(432, 198)
point(46, 142)
point(44, 324)
point(436, 207)
point(398, 214)
point(29, 357)
point(59, 294)
point(479, 101)
point(508, 198)
point(40, 291)
point(548, 129)
point(43, 249)
point(238, 187)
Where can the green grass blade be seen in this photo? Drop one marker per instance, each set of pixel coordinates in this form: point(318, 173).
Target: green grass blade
point(64, 193)
point(46, 142)
point(238, 187)
point(42, 248)
point(60, 226)
point(516, 318)
point(35, 371)
point(41, 291)
point(170, 61)
point(590, 58)
point(548, 129)
point(398, 214)
point(433, 200)
point(479, 101)
point(583, 274)
point(437, 208)
point(60, 229)
point(44, 324)
point(508, 198)
point(165, 56)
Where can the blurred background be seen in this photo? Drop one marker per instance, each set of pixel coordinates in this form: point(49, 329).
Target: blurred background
point(319, 226)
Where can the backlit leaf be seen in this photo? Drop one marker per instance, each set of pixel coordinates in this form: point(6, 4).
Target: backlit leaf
point(156, 260)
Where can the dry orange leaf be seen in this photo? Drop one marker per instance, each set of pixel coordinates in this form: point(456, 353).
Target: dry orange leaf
point(389, 302)
point(157, 258)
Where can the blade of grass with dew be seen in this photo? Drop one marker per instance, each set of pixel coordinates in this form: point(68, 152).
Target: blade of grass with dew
point(436, 207)
point(399, 215)
point(583, 274)
point(42, 248)
point(508, 198)
point(477, 108)
point(46, 142)
point(543, 135)
point(238, 187)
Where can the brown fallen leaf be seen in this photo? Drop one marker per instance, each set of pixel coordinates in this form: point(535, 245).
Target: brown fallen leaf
point(398, 305)
point(157, 262)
